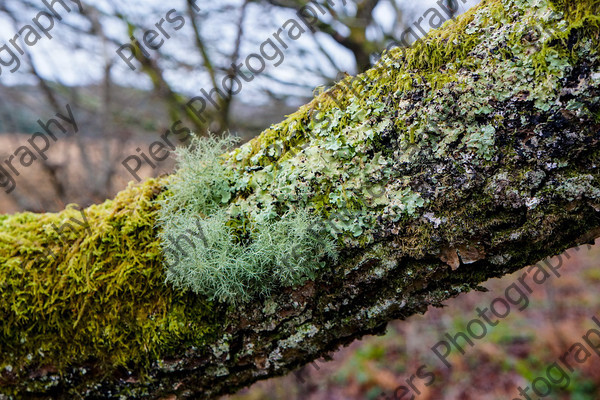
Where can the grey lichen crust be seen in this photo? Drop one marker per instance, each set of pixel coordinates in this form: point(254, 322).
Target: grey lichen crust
point(469, 156)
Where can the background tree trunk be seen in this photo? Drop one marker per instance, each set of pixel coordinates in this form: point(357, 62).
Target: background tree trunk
point(487, 137)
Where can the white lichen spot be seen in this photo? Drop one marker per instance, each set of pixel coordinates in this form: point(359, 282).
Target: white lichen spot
point(222, 347)
point(270, 307)
point(305, 331)
point(499, 259)
point(379, 308)
point(274, 356)
point(532, 202)
point(433, 219)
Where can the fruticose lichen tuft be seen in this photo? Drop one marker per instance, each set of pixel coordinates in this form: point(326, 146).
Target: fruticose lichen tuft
point(227, 253)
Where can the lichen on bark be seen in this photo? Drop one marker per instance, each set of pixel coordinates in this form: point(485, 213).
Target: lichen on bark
point(468, 156)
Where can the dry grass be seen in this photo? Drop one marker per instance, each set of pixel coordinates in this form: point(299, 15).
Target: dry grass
point(37, 191)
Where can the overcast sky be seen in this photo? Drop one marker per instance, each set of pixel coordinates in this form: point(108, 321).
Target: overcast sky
point(58, 59)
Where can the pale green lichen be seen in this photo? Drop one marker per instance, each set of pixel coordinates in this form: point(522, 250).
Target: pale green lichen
point(231, 253)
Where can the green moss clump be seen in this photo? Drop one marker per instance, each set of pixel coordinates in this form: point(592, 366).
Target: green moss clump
point(578, 11)
point(91, 291)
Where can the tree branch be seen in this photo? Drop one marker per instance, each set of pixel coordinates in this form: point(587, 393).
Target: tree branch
point(469, 156)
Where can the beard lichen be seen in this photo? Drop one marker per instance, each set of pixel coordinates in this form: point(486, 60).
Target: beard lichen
point(224, 250)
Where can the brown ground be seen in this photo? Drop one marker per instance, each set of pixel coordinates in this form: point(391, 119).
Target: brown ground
point(83, 183)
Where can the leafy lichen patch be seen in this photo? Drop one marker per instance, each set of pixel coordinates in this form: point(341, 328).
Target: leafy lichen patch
point(365, 133)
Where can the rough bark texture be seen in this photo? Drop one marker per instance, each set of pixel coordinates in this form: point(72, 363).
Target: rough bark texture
point(482, 143)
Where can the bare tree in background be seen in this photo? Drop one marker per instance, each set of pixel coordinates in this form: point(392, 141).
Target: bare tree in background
point(117, 103)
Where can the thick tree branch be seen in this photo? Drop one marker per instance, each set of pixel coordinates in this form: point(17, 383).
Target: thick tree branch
point(467, 157)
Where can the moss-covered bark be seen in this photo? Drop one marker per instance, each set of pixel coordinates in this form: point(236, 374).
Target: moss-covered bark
point(471, 155)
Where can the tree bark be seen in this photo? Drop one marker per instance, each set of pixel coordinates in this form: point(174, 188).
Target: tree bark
point(469, 156)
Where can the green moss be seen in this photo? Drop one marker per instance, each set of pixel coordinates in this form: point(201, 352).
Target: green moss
point(101, 295)
point(577, 11)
